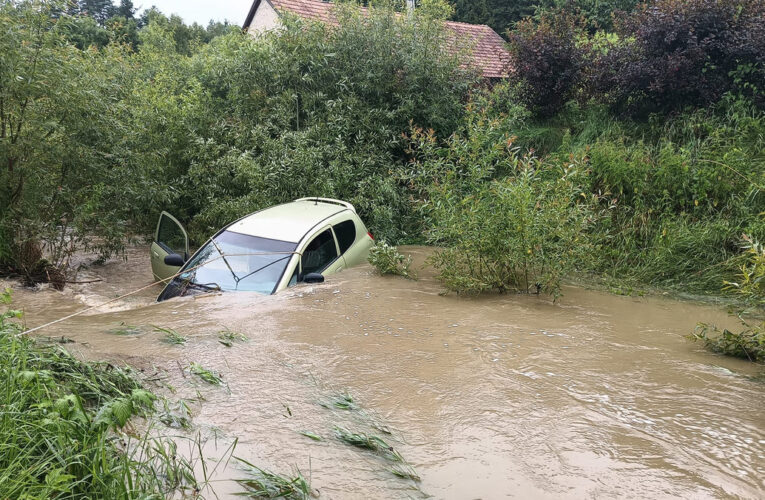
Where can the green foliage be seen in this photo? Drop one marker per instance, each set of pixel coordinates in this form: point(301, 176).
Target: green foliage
point(750, 284)
point(228, 338)
point(60, 421)
point(386, 260)
point(264, 484)
point(502, 15)
point(320, 112)
point(171, 336)
point(508, 222)
point(368, 442)
point(208, 376)
point(63, 180)
point(748, 344)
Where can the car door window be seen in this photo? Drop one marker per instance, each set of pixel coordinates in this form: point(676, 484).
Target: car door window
point(171, 237)
point(346, 234)
point(319, 253)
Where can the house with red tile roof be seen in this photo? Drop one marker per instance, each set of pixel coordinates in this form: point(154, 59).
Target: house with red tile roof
point(487, 49)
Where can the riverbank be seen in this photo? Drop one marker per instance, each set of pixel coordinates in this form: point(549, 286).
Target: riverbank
point(66, 426)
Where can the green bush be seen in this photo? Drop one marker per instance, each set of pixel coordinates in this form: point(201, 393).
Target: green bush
point(387, 260)
point(507, 222)
point(317, 111)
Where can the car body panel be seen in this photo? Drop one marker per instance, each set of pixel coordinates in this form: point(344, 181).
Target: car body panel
point(169, 237)
point(287, 222)
point(301, 222)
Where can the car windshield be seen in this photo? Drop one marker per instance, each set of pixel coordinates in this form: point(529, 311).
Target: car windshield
point(234, 261)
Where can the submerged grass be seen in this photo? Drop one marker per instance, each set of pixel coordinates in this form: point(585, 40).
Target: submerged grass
point(341, 402)
point(208, 376)
point(125, 329)
point(311, 435)
point(405, 471)
point(229, 338)
point(265, 484)
point(748, 344)
point(368, 442)
point(171, 336)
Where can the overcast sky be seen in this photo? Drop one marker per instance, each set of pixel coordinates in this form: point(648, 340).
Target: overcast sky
point(200, 11)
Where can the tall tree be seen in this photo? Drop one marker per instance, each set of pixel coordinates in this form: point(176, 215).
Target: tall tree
point(126, 9)
point(100, 10)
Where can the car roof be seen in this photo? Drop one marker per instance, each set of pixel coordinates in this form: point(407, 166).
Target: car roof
point(287, 222)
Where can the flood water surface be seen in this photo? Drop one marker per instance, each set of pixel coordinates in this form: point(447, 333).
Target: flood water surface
point(491, 397)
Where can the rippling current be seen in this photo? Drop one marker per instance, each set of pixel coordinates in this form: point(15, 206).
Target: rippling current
point(493, 397)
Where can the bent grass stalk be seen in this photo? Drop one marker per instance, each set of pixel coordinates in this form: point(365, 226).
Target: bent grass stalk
point(368, 442)
point(228, 338)
point(266, 484)
point(171, 336)
point(208, 376)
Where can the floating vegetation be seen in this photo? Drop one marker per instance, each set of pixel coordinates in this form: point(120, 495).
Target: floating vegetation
point(171, 336)
point(208, 376)
point(341, 402)
point(228, 338)
point(368, 442)
point(311, 435)
point(56, 340)
point(125, 329)
point(265, 484)
point(178, 417)
point(748, 344)
point(405, 471)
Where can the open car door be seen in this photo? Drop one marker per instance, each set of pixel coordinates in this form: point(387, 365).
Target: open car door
point(169, 238)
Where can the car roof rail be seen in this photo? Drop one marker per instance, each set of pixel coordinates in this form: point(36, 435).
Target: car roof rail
point(330, 200)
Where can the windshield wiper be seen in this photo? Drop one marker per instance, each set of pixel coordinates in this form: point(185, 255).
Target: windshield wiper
point(236, 278)
point(261, 268)
point(208, 287)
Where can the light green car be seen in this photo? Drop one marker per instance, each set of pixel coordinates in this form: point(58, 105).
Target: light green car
point(265, 252)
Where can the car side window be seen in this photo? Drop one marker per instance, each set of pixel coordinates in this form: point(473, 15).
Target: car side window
point(319, 253)
point(346, 234)
point(171, 237)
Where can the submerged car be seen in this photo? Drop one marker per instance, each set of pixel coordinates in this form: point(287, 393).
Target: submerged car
point(264, 252)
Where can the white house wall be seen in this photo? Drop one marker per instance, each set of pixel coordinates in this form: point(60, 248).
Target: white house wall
point(265, 18)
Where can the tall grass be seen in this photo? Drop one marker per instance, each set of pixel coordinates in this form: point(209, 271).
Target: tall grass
point(63, 423)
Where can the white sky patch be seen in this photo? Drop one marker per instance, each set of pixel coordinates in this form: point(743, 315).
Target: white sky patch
point(200, 11)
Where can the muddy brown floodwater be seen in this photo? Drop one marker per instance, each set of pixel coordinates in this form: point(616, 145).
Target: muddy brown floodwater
point(492, 397)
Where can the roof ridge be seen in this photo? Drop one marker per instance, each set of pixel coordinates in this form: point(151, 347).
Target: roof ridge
point(489, 55)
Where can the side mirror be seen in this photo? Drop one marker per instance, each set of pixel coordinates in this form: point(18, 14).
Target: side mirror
point(313, 278)
point(174, 260)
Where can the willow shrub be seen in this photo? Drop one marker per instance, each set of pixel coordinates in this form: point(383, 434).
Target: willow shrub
point(505, 222)
point(69, 173)
point(316, 110)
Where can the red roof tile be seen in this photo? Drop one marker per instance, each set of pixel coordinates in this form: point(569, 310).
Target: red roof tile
point(487, 48)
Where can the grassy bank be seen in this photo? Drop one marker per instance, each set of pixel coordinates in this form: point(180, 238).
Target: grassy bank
point(65, 427)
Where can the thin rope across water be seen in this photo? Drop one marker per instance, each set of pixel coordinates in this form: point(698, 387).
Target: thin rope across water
point(162, 281)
